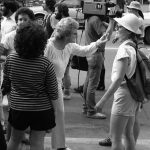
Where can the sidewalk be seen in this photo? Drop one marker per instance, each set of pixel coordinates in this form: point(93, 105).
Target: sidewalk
point(92, 144)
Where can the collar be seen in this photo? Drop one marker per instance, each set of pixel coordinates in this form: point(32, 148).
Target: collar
point(12, 17)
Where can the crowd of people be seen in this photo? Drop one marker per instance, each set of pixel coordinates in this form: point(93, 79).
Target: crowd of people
point(35, 64)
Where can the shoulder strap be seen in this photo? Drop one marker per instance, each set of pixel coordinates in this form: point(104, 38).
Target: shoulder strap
point(135, 47)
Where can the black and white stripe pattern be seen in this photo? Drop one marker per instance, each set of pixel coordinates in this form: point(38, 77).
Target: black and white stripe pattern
point(33, 83)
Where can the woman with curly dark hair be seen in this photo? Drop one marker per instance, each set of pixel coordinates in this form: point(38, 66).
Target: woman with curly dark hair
point(34, 89)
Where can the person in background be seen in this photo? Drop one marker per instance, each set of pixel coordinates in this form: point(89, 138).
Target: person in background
point(8, 24)
point(124, 107)
point(95, 27)
point(135, 8)
point(22, 15)
point(62, 11)
point(33, 87)
point(58, 50)
point(49, 8)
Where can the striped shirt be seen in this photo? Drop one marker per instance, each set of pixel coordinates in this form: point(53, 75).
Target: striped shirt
point(33, 83)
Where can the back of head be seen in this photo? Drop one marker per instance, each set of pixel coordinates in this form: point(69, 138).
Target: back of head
point(65, 27)
point(25, 11)
point(12, 5)
point(63, 9)
point(30, 40)
point(50, 4)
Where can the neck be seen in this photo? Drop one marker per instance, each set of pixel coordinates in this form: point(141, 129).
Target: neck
point(123, 39)
point(59, 44)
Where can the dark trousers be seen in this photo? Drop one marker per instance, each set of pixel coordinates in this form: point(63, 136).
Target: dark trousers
point(102, 77)
point(3, 145)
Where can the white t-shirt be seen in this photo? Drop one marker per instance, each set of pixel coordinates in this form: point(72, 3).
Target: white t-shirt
point(124, 51)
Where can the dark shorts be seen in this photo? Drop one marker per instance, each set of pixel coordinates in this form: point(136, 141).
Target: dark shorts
point(36, 120)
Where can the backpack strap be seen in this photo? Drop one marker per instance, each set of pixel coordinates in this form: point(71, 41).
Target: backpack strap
point(134, 45)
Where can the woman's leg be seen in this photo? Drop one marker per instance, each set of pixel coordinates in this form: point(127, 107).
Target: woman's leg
point(129, 137)
point(15, 139)
point(58, 133)
point(37, 140)
point(136, 127)
point(117, 127)
point(67, 83)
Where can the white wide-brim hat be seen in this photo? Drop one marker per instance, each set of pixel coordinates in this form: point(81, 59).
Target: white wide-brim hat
point(135, 5)
point(131, 22)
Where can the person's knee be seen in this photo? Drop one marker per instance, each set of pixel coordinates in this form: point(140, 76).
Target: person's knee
point(37, 137)
point(129, 135)
point(17, 138)
point(92, 87)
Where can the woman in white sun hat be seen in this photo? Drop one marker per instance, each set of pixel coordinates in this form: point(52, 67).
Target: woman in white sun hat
point(124, 106)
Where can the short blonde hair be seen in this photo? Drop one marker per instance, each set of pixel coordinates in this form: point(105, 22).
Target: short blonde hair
point(65, 27)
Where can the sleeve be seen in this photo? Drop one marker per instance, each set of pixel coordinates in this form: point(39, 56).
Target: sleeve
point(83, 51)
point(5, 42)
point(6, 45)
point(51, 82)
point(123, 52)
point(48, 51)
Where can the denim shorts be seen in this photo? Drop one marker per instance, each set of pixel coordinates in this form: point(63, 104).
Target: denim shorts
point(36, 120)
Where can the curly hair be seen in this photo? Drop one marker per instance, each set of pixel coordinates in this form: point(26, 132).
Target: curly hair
point(50, 4)
point(63, 9)
point(26, 11)
point(65, 27)
point(13, 5)
point(30, 40)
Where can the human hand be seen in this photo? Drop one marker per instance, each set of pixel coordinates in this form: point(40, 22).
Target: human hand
point(99, 106)
point(102, 40)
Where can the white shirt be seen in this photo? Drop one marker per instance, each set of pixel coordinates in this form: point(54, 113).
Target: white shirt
point(8, 41)
point(53, 21)
point(124, 51)
point(60, 58)
point(8, 25)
